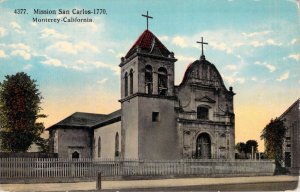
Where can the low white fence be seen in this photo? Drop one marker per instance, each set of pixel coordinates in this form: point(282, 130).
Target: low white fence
point(88, 168)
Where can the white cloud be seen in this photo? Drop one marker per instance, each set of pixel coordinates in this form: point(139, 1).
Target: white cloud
point(33, 24)
point(83, 45)
point(1, 1)
point(52, 62)
point(81, 62)
point(257, 43)
point(63, 46)
point(163, 38)
point(269, 66)
point(19, 46)
point(231, 67)
point(111, 51)
point(70, 48)
point(284, 76)
point(99, 64)
point(2, 31)
point(2, 54)
point(47, 32)
point(92, 26)
point(253, 78)
point(294, 56)
point(102, 81)
point(20, 49)
point(221, 46)
point(27, 67)
point(184, 58)
point(232, 80)
point(180, 41)
point(272, 42)
point(22, 53)
point(14, 25)
point(238, 44)
point(293, 41)
point(257, 33)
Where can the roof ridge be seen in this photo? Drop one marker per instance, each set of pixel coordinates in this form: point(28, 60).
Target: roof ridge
point(290, 107)
point(89, 113)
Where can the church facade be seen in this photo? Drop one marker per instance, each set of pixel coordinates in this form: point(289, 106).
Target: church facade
point(157, 119)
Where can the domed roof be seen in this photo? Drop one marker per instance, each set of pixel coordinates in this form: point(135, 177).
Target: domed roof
point(202, 72)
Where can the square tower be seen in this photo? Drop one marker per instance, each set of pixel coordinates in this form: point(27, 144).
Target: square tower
point(147, 101)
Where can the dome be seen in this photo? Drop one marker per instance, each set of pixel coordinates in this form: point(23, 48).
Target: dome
point(204, 73)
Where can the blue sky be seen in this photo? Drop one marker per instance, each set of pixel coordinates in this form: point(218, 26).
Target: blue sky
point(253, 43)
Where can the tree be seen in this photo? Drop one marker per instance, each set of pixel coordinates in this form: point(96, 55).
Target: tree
point(249, 145)
point(273, 135)
point(241, 146)
point(20, 102)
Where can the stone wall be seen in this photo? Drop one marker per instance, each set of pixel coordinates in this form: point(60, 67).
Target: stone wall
point(74, 139)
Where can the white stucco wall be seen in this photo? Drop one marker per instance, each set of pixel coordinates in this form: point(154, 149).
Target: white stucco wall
point(108, 135)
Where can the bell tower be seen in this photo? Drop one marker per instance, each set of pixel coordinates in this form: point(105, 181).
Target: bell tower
point(148, 101)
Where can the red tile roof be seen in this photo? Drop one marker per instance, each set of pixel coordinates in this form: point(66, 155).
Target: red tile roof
point(144, 42)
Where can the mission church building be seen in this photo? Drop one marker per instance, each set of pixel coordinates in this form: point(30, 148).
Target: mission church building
point(157, 119)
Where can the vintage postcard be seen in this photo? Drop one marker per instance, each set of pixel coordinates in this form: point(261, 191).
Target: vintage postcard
point(152, 95)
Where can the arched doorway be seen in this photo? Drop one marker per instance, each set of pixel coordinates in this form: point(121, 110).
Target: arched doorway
point(203, 146)
point(75, 155)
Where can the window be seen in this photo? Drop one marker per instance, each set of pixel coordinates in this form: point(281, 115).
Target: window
point(131, 81)
point(75, 155)
point(126, 84)
point(99, 147)
point(202, 113)
point(117, 145)
point(162, 81)
point(287, 159)
point(155, 116)
point(148, 79)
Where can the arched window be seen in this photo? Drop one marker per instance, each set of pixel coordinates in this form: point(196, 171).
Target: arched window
point(203, 146)
point(99, 147)
point(162, 81)
point(75, 155)
point(126, 84)
point(202, 112)
point(131, 81)
point(148, 79)
point(117, 145)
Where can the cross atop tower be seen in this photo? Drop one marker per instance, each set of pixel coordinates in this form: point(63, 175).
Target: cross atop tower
point(147, 17)
point(201, 42)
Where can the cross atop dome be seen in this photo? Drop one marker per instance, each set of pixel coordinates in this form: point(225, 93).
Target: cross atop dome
point(202, 43)
point(147, 17)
